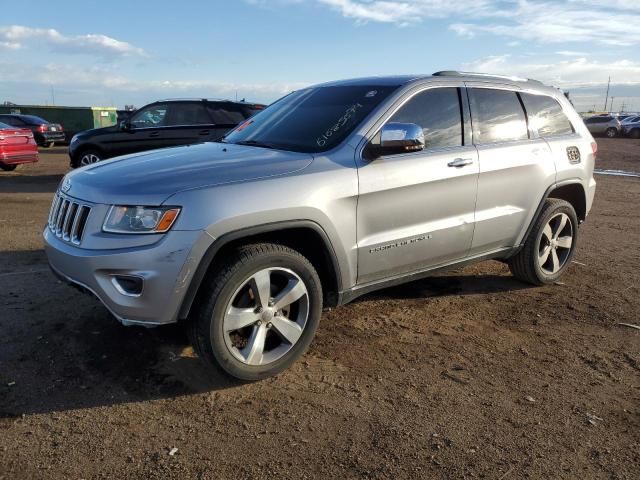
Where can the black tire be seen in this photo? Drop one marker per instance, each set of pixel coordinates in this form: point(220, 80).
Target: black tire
point(219, 289)
point(8, 168)
point(635, 133)
point(525, 265)
point(611, 132)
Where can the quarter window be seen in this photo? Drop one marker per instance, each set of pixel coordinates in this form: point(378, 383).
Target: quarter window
point(225, 115)
point(497, 116)
point(437, 111)
point(546, 115)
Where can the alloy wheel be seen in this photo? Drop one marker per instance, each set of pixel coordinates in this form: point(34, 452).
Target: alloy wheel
point(266, 316)
point(89, 158)
point(555, 245)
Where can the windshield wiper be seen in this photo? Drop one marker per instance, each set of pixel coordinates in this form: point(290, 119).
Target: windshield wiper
point(255, 143)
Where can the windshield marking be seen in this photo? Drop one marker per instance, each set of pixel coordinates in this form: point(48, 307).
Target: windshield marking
point(348, 114)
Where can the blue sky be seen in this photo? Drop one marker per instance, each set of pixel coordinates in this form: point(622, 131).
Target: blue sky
point(116, 52)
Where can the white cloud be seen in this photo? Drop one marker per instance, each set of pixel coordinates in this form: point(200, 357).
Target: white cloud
point(574, 72)
point(546, 21)
point(17, 36)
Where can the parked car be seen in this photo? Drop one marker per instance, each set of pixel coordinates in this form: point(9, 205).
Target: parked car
point(166, 123)
point(604, 125)
point(329, 193)
point(17, 146)
point(46, 134)
point(630, 119)
point(632, 128)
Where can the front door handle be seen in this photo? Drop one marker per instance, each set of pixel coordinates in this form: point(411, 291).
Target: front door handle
point(460, 162)
point(154, 134)
point(204, 132)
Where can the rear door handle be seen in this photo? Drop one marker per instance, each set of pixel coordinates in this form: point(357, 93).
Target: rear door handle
point(460, 162)
point(204, 132)
point(154, 134)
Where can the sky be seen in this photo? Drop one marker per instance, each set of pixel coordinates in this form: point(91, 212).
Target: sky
point(112, 53)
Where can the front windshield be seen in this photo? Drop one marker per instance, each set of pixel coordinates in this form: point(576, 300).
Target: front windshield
point(312, 120)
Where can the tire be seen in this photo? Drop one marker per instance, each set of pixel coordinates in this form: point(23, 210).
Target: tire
point(8, 168)
point(88, 157)
point(528, 265)
point(611, 132)
point(234, 285)
point(635, 133)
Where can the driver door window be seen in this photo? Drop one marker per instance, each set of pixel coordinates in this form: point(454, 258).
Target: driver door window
point(437, 111)
point(150, 117)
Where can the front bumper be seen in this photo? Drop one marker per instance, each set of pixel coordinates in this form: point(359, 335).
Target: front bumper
point(166, 268)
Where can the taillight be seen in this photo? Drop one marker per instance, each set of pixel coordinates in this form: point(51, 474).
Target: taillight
point(43, 128)
point(594, 149)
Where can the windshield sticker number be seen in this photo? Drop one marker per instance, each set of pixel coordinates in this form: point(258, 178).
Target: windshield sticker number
point(348, 115)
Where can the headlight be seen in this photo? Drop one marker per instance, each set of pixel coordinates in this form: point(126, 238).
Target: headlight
point(121, 219)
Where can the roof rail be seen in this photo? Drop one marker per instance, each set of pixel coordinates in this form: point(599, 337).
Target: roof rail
point(455, 73)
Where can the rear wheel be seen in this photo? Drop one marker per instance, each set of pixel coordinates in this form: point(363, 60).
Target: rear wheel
point(8, 168)
point(550, 246)
point(611, 132)
point(259, 311)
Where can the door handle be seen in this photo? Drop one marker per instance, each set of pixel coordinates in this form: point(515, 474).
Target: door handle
point(204, 132)
point(154, 134)
point(460, 162)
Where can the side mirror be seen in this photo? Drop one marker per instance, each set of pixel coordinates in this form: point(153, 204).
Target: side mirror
point(126, 126)
point(397, 138)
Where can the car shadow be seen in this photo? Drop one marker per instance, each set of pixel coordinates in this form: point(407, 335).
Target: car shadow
point(62, 350)
point(17, 183)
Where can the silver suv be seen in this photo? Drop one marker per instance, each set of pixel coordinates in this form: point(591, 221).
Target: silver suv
point(331, 192)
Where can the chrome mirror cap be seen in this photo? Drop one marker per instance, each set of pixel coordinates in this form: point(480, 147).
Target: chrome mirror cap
point(407, 137)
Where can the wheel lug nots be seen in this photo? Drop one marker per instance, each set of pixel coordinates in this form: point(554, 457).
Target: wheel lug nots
point(259, 322)
point(269, 325)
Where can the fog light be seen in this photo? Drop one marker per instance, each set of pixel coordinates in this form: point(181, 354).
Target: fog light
point(129, 285)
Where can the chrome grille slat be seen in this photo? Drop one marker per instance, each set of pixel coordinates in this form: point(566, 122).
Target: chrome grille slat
point(67, 218)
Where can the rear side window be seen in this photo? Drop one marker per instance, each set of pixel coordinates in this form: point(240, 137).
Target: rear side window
point(497, 116)
point(226, 114)
point(187, 114)
point(546, 115)
point(437, 111)
point(598, 120)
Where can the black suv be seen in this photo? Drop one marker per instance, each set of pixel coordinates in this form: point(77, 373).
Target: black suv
point(161, 124)
point(46, 134)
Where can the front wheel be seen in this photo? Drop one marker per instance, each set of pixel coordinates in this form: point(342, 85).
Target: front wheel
point(89, 158)
point(258, 312)
point(550, 246)
point(611, 132)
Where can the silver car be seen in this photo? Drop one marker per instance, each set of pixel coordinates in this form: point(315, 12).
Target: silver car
point(607, 125)
point(333, 191)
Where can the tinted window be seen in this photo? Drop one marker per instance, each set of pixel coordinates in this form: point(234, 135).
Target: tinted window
point(598, 120)
point(225, 114)
point(546, 115)
point(14, 121)
point(437, 111)
point(497, 116)
point(148, 117)
point(187, 114)
point(4, 125)
point(311, 120)
point(32, 120)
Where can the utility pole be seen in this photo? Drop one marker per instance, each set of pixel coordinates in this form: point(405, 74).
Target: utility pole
point(606, 99)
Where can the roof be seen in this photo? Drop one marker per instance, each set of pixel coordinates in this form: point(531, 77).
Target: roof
point(399, 80)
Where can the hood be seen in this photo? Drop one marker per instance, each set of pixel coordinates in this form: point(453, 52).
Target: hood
point(150, 178)
point(98, 131)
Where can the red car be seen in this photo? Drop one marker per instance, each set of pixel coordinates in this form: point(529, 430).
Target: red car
point(17, 146)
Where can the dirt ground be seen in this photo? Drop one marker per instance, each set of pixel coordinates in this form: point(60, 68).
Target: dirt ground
point(470, 374)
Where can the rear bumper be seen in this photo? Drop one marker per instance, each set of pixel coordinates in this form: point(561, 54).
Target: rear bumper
point(165, 267)
point(16, 158)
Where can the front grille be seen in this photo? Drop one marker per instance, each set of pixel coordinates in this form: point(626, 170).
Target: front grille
point(68, 218)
